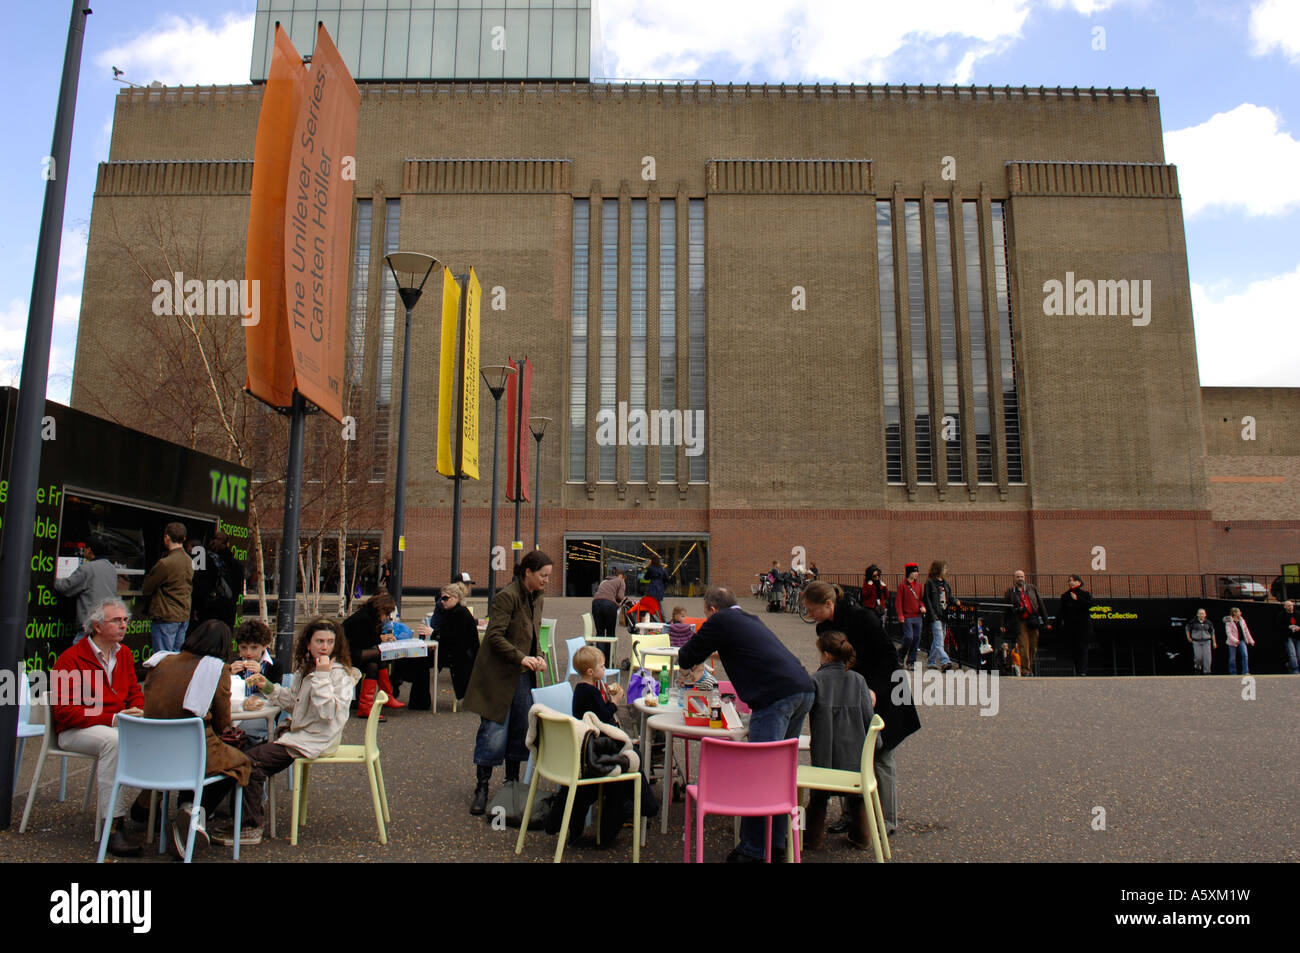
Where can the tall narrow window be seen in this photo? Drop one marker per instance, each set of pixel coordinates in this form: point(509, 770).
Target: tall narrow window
point(950, 426)
point(360, 292)
point(979, 354)
point(920, 356)
point(1006, 335)
point(668, 329)
point(578, 343)
point(387, 320)
point(889, 341)
point(609, 329)
point(636, 396)
point(696, 451)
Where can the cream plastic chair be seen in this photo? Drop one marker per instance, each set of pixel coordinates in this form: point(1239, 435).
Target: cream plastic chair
point(855, 783)
point(559, 759)
point(367, 754)
point(50, 749)
point(588, 626)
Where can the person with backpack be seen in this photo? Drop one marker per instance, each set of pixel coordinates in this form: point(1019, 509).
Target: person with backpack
point(219, 587)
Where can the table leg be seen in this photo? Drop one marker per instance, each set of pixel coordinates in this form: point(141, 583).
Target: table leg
point(667, 800)
point(433, 707)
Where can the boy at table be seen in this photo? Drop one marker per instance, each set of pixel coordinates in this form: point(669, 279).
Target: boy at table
point(768, 678)
point(254, 640)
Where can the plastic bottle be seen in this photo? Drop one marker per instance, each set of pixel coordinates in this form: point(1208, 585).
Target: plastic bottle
point(715, 709)
point(663, 685)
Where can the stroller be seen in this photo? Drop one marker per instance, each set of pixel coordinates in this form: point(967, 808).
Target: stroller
point(645, 609)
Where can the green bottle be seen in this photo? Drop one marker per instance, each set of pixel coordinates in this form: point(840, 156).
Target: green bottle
point(663, 685)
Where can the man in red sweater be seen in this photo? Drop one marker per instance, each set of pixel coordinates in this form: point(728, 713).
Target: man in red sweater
point(910, 607)
point(93, 682)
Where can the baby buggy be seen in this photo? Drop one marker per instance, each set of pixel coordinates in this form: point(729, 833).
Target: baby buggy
point(645, 609)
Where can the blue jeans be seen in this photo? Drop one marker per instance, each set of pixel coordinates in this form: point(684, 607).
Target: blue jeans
point(911, 639)
point(499, 741)
point(1292, 645)
point(937, 655)
point(167, 636)
point(780, 720)
point(1232, 658)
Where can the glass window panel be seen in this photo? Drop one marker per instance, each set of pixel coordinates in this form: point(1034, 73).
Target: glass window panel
point(397, 32)
point(348, 40)
point(920, 356)
point(609, 329)
point(578, 342)
point(539, 43)
point(360, 291)
point(492, 34)
point(1006, 335)
point(582, 41)
point(387, 322)
point(697, 329)
point(979, 352)
point(636, 399)
point(516, 39)
point(262, 32)
point(419, 52)
point(889, 342)
point(372, 44)
point(302, 30)
point(950, 425)
point(668, 329)
point(444, 44)
point(467, 42)
point(563, 43)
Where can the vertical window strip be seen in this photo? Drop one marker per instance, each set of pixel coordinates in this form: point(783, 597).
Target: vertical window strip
point(578, 342)
point(609, 329)
point(699, 464)
point(979, 356)
point(636, 398)
point(951, 423)
point(920, 356)
point(667, 329)
point(1006, 335)
point(387, 321)
point(889, 341)
point(360, 292)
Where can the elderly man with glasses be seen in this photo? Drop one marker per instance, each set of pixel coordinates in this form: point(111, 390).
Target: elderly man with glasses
point(93, 682)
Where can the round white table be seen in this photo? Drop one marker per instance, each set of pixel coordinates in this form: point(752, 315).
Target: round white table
point(672, 724)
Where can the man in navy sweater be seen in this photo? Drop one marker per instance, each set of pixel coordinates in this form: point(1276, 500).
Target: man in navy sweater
point(768, 678)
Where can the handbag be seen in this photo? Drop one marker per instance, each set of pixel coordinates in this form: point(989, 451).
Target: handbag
point(640, 683)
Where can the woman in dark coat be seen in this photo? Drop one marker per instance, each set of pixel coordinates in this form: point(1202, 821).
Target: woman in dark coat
point(164, 697)
point(1075, 619)
point(364, 631)
point(457, 637)
point(656, 581)
point(877, 662)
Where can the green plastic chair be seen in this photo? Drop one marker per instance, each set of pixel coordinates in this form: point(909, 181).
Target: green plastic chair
point(544, 646)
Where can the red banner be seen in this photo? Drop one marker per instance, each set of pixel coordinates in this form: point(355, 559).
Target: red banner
point(318, 226)
point(266, 334)
point(517, 433)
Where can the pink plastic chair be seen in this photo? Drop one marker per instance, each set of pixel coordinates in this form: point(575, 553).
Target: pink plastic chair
point(726, 688)
point(745, 779)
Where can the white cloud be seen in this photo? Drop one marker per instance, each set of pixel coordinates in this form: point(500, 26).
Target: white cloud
point(1237, 160)
point(1276, 23)
point(187, 50)
point(805, 41)
point(1250, 339)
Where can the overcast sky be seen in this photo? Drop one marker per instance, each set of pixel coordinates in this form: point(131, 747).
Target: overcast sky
point(1227, 73)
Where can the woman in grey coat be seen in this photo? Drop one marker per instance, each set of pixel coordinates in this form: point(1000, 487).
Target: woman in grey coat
point(838, 724)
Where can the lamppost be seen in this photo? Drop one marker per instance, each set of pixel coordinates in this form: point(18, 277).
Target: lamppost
point(410, 271)
point(495, 376)
point(538, 426)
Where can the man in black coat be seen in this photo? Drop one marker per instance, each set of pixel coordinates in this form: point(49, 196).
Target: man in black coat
point(219, 587)
point(1024, 617)
point(1075, 620)
point(768, 678)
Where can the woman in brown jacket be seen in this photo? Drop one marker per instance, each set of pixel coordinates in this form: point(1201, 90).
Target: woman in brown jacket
point(500, 688)
point(206, 647)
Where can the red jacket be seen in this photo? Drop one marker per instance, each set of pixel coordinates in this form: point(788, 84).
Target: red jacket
point(908, 601)
point(85, 697)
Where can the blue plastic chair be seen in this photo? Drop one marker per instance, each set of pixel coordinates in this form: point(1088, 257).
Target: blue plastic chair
point(573, 645)
point(558, 697)
point(165, 754)
point(28, 730)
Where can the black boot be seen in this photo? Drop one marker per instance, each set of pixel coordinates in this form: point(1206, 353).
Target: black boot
point(512, 771)
point(479, 805)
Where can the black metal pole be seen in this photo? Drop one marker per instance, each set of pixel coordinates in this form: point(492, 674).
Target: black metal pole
point(459, 427)
point(24, 473)
point(286, 602)
point(537, 492)
point(517, 437)
point(399, 491)
point(492, 531)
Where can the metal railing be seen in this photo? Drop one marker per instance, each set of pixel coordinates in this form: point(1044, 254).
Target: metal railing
point(993, 586)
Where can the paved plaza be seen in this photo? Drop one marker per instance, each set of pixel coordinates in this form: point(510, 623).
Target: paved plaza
point(1185, 769)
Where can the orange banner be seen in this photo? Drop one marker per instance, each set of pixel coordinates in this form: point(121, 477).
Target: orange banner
point(266, 333)
point(318, 226)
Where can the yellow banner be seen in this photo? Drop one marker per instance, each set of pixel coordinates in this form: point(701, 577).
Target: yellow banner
point(469, 400)
point(447, 372)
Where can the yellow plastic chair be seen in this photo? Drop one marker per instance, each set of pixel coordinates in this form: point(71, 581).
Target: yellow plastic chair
point(559, 759)
point(652, 640)
point(855, 783)
point(588, 626)
point(367, 754)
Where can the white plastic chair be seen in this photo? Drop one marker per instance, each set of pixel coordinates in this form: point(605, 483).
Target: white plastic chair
point(165, 755)
point(28, 729)
point(50, 748)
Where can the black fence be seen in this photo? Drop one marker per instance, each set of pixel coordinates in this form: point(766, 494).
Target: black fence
point(1242, 587)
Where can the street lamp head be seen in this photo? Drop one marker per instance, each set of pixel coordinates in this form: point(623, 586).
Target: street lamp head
point(538, 426)
point(410, 271)
point(495, 377)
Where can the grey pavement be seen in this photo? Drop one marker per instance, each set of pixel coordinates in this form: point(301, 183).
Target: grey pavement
point(1068, 769)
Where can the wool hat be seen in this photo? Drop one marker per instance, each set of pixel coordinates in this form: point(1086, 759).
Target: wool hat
point(910, 567)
